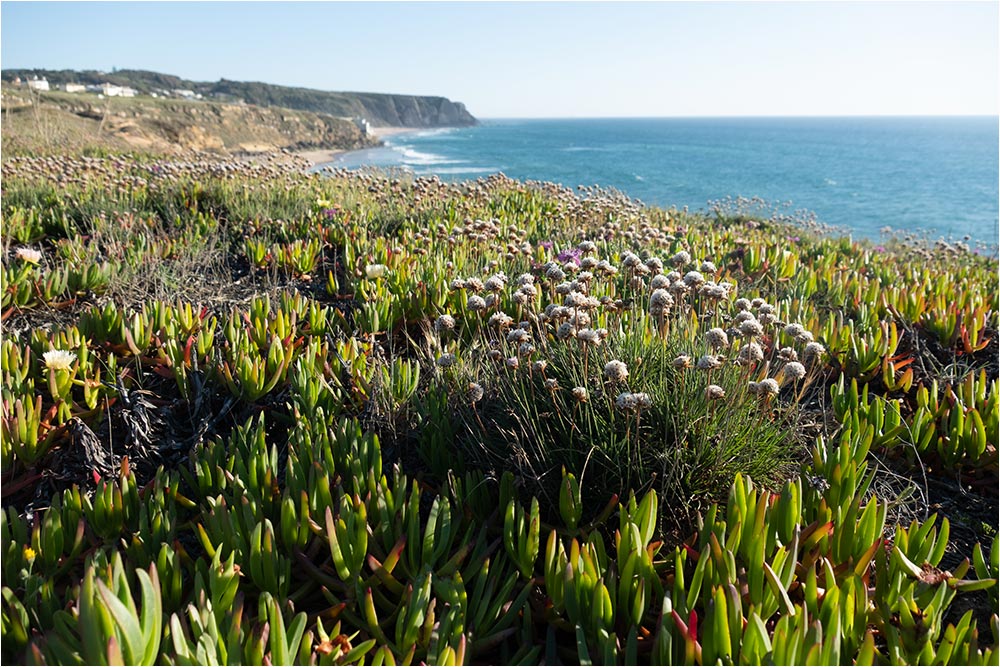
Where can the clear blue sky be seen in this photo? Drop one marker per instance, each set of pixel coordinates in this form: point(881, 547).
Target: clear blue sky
point(550, 59)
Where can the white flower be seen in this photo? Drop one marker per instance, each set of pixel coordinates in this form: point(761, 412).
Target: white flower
point(580, 394)
point(474, 393)
point(551, 384)
point(659, 301)
point(500, 320)
point(60, 360)
point(29, 255)
point(474, 284)
point(476, 303)
point(555, 274)
point(587, 246)
point(643, 401)
point(616, 371)
point(375, 271)
point(512, 363)
point(766, 387)
point(742, 317)
point(456, 284)
point(742, 304)
point(683, 361)
point(526, 349)
point(708, 267)
point(539, 366)
point(493, 284)
point(525, 279)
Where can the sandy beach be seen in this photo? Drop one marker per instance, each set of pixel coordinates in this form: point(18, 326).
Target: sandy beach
point(322, 156)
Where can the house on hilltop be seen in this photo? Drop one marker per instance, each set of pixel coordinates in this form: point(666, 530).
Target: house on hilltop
point(34, 83)
point(111, 90)
point(74, 87)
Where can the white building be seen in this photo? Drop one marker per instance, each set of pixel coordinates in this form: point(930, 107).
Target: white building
point(35, 83)
point(74, 87)
point(186, 94)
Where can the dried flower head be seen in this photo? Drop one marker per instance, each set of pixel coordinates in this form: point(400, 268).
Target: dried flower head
point(589, 337)
point(766, 387)
point(714, 392)
point(580, 394)
point(708, 267)
point(539, 366)
point(787, 354)
point(751, 328)
point(750, 353)
point(474, 394)
point(446, 360)
point(814, 350)
point(683, 361)
point(476, 303)
point(587, 246)
point(709, 362)
point(626, 401)
point(693, 278)
point(659, 281)
point(512, 363)
point(716, 338)
point(742, 304)
point(793, 330)
point(794, 371)
point(682, 258)
point(501, 320)
point(518, 335)
point(526, 349)
point(616, 371)
point(551, 384)
point(444, 323)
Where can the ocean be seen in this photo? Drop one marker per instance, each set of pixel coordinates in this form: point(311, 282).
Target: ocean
point(935, 176)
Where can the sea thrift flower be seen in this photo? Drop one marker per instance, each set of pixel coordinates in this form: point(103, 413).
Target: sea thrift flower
point(814, 350)
point(518, 336)
point(794, 371)
point(742, 317)
point(565, 330)
point(456, 284)
point(766, 387)
point(616, 371)
point(525, 279)
point(793, 330)
point(60, 360)
point(750, 353)
point(555, 274)
point(587, 246)
point(682, 258)
point(659, 301)
point(476, 303)
point(495, 355)
point(716, 338)
point(751, 328)
point(589, 337)
point(626, 401)
point(742, 304)
point(512, 363)
point(446, 360)
point(501, 320)
point(475, 393)
point(526, 349)
point(714, 392)
point(474, 284)
point(804, 338)
point(683, 361)
point(580, 394)
point(375, 271)
point(659, 282)
point(444, 323)
point(539, 366)
point(707, 267)
point(709, 362)
point(788, 354)
point(551, 384)
point(29, 255)
point(693, 278)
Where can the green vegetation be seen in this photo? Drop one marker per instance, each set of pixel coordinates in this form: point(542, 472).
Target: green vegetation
point(252, 414)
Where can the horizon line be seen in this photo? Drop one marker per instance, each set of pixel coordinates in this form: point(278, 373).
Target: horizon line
point(749, 116)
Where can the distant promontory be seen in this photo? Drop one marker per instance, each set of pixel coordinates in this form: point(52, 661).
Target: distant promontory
point(379, 109)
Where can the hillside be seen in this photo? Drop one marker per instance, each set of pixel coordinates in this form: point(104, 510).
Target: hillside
point(379, 109)
point(63, 122)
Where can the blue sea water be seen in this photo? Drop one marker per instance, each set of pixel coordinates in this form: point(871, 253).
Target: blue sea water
point(937, 176)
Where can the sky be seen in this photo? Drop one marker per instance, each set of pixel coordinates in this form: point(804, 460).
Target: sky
point(562, 59)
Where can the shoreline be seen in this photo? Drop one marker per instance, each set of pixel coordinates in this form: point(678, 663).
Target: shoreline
point(317, 157)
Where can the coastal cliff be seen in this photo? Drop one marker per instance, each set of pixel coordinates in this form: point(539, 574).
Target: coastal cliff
point(57, 122)
point(379, 109)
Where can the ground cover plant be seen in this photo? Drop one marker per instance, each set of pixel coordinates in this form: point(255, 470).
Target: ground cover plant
point(252, 414)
